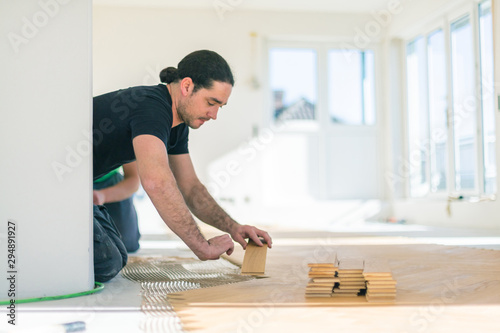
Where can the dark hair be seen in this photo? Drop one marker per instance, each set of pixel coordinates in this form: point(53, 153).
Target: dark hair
point(203, 67)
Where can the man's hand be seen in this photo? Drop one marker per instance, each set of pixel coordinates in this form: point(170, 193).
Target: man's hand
point(217, 246)
point(122, 190)
point(99, 198)
point(240, 232)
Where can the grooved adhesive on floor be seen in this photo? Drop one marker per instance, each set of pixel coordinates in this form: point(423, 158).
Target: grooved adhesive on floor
point(166, 275)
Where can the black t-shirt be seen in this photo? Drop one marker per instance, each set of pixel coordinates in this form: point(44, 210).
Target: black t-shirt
point(120, 116)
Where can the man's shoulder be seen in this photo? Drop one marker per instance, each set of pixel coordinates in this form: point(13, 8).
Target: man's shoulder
point(138, 100)
point(138, 93)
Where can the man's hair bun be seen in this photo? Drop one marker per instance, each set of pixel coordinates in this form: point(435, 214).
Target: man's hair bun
point(169, 75)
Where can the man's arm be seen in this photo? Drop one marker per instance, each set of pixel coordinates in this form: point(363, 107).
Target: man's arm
point(160, 185)
point(203, 205)
point(121, 191)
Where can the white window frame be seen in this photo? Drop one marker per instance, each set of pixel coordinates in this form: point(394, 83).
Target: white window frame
point(322, 121)
point(308, 126)
point(323, 128)
point(444, 22)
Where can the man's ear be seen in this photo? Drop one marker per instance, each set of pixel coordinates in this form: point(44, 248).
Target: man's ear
point(187, 86)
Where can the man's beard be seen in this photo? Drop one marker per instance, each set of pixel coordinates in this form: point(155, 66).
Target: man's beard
point(184, 116)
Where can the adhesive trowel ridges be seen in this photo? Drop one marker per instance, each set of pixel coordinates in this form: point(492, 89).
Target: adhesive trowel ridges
point(160, 277)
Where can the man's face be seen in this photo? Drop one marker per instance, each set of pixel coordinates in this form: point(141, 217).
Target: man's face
point(203, 105)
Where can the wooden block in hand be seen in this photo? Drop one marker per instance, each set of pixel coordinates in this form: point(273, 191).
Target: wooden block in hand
point(254, 261)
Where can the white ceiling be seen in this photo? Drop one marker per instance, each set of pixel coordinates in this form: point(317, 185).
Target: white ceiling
point(279, 5)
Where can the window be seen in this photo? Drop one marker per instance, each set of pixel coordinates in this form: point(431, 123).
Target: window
point(436, 72)
point(351, 87)
point(350, 93)
point(464, 105)
point(487, 96)
point(418, 136)
point(293, 83)
point(469, 119)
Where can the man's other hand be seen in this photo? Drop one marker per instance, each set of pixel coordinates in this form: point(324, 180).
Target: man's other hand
point(240, 232)
point(99, 198)
point(216, 247)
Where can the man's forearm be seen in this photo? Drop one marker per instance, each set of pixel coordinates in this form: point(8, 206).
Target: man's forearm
point(204, 207)
point(121, 191)
point(161, 186)
point(169, 202)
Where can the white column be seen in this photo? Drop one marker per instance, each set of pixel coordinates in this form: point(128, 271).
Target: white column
point(45, 146)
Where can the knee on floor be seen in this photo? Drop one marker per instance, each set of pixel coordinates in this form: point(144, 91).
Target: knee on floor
point(110, 264)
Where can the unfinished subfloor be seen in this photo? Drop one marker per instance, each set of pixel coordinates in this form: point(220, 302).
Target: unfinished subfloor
point(447, 280)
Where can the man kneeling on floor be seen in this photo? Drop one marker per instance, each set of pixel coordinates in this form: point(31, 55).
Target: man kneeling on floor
point(150, 125)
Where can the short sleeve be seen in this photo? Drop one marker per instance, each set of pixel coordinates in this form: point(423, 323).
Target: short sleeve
point(150, 118)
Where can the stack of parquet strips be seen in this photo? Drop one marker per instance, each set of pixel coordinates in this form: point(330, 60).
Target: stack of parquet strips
point(381, 287)
point(351, 278)
point(322, 278)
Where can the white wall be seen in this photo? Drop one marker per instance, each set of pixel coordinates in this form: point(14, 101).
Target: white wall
point(45, 112)
point(131, 45)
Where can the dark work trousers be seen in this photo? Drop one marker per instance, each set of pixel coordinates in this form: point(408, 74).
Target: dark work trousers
point(110, 255)
point(123, 214)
